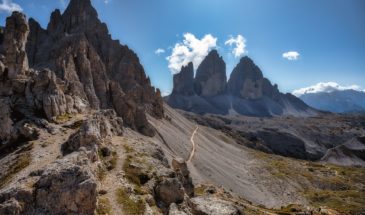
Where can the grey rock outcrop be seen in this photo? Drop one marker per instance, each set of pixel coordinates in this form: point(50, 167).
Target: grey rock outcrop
point(211, 79)
point(213, 206)
point(182, 171)
point(170, 191)
point(66, 186)
point(102, 125)
point(15, 38)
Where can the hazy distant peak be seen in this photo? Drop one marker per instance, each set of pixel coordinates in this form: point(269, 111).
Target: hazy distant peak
point(325, 87)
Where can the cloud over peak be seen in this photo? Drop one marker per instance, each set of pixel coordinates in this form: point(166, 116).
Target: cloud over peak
point(191, 49)
point(326, 87)
point(239, 44)
point(8, 6)
point(291, 55)
point(159, 51)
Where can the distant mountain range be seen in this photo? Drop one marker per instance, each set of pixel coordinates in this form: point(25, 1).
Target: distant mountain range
point(345, 101)
point(247, 92)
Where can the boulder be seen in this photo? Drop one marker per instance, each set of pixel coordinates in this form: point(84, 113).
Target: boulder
point(170, 191)
point(182, 171)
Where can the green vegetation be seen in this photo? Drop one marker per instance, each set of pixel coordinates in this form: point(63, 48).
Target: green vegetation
point(133, 173)
point(335, 187)
point(64, 118)
point(130, 206)
point(200, 190)
point(104, 207)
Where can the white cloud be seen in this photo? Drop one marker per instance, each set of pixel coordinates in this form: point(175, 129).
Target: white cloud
point(291, 55)
point(159, 51)
point(325, 87)
point(190, 50)
point(239, 44)
point(7, 6)
point(106, 1)
point(165, 93)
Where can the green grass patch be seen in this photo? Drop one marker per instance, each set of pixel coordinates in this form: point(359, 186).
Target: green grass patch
point(134, 174)
point(130, 206)
point(64, 118)
point(104, 207)
point(335, 187)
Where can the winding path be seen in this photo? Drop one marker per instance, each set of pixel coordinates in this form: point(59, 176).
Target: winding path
point(193, 143)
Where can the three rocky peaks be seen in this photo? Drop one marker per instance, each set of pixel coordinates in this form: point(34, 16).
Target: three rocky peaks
point(71, 67)
point(247, 92)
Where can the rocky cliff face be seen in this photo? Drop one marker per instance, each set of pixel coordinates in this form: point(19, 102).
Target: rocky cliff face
point(210, 77)
point(72, 66)
point(184, 81)
point(248, 82)
point(247, 92)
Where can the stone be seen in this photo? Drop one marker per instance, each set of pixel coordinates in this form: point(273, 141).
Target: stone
point(211, 79)
point(67, 187)
point(213, 206)
point(182, 171)
point(170, 191)
point(45, 95)
point(174, 210)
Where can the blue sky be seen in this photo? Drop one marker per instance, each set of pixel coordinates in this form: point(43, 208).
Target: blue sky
point(328, 35)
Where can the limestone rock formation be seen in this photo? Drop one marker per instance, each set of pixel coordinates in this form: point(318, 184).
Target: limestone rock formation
point(66, 186)
point(184, 81)
point(15, 37)
point(170, 191)
point(71, 67)
point(247, 92)
point(102, 125)
point(77, 46)
point(181, 168)
point(211, 79)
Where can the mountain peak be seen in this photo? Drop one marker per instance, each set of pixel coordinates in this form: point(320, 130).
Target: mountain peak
point(79, 13)
point(211, 76)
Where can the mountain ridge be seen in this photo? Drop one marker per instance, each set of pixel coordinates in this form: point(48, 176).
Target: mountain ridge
point(339, 101)
point(247, 92)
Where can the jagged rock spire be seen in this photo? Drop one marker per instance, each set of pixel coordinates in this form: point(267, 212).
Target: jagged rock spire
point(183, 81)
point(15, 38)
point(211, 76)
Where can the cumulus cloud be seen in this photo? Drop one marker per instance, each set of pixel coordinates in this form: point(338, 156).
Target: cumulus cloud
point(291, 55)
point(191, 49)
point(327, 87)
point(159, 51)
point(239, 44)
point(8, 6)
